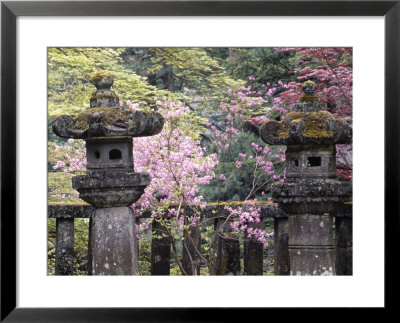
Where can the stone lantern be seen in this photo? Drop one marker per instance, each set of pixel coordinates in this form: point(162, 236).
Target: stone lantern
point(111, 184)
point(311, 194)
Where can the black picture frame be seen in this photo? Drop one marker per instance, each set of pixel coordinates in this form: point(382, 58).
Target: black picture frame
point(10, 10)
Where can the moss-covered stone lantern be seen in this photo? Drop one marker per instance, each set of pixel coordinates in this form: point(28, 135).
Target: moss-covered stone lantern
point(111, 184)
point(311, 194)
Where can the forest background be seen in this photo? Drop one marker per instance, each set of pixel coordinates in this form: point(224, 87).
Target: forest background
point(214, 101)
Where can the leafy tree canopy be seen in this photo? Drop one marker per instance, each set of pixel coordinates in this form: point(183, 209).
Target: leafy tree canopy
point(192, 73)
point(70, 71)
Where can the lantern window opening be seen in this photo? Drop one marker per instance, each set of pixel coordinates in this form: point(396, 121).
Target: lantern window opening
point(115, 154)
point(97, 154)
point(314, 161)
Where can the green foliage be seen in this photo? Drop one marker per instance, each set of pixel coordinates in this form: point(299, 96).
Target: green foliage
point(69, 87)
point(192, 124)
point(262, 63)
point(81, 237)
point(192, 67)
point(59, 186)
point(175, 271)
point(51, 246)
point(145, 255)
point(69, 72)
point(191, 73)
point(239, 181)
point(207, 246)
point(268, 257)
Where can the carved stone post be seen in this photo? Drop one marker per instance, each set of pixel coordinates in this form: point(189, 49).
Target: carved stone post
point(191, 245)
point(160, 250)
point(253, 253)
point(64, 246)
point(311, 194)
point(344, 241)
point(281, 248)
point(111, 185)
point(226, 246)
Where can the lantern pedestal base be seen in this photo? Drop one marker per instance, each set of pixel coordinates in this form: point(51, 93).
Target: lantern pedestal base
point(114, 242)
point(111, 188)
point(311, 245)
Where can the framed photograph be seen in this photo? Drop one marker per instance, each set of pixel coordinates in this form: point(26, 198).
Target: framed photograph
point(33, 31)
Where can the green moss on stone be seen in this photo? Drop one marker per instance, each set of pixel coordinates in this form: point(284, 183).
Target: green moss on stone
point(105, 116)
point(72, 203)
point(315, 124)
point(98, 76)
point(308, 83)
point(283, 131)
point(95, 96)
point(308, 98)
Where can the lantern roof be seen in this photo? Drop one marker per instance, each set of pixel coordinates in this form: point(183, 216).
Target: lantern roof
point(106, 117)
point(308, 124)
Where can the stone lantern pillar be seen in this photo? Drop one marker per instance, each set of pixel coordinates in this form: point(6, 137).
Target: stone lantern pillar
point(110, 185)
point(311, 194)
